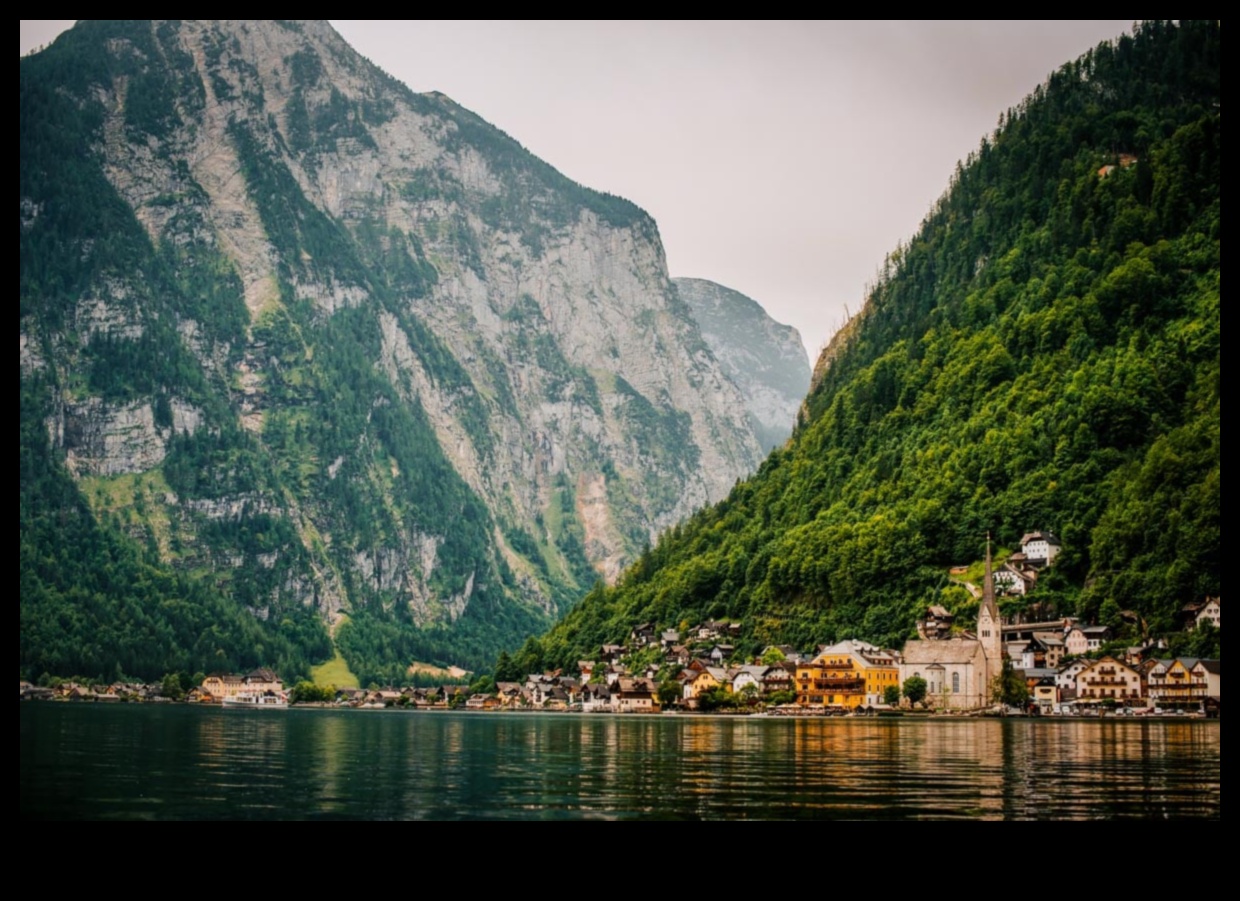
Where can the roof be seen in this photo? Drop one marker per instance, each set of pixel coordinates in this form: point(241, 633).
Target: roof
point(640, 685)
point(1048, 537)
point(952, 650)
point(756, 671)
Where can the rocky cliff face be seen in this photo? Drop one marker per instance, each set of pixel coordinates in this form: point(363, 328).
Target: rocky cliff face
point(763, 358)
point(255, 266)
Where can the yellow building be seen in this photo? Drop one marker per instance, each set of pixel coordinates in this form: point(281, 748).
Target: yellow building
point(706, 680)
point(850, 674)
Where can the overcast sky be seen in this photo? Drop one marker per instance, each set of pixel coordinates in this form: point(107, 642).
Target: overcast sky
point(783, 159)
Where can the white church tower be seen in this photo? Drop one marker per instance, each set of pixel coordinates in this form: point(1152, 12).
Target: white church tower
point(989, 629)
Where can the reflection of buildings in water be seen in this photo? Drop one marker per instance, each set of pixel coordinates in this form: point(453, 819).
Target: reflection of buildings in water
point(243, 756)
point(241, 737)
point(898, 769)
point(1117, 767)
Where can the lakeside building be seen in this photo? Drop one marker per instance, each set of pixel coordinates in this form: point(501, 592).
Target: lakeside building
point(959, 669)
point(848, 674)
point(1184, 682)
point(219, 686)
point(1108, 678)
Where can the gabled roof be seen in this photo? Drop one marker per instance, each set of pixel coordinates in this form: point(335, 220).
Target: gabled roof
point(756, 671)
point(950, 650)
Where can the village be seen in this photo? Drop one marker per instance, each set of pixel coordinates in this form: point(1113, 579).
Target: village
point(1057, 667)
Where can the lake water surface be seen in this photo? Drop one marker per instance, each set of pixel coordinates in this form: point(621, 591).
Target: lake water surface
point(181, 762)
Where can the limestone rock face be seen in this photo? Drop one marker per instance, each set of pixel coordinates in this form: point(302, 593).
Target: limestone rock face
point(464, 383)
point(763, 358)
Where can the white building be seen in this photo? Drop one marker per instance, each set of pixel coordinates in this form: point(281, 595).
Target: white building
point(1083, 639)
point(1041, 548)
point(1211, 613)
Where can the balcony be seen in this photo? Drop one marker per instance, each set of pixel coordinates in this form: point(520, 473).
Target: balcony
point(840, 686)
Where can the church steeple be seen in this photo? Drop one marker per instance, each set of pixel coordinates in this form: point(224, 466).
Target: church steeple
point(989, 626)
point(988, 587)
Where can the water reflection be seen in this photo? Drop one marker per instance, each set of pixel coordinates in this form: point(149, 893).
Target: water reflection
point(179, 762)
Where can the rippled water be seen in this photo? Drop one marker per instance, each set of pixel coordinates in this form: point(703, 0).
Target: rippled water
point(165, 762)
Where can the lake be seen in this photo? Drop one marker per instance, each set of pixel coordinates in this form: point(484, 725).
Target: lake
point(92, 761)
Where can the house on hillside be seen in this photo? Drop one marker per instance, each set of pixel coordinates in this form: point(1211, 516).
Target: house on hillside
point(1011, 579)
point(1083, 639)
point(1040, 548)
point(935, 624)
point(1208, 611)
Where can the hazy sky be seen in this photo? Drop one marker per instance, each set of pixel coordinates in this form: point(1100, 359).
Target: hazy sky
point(783, 159)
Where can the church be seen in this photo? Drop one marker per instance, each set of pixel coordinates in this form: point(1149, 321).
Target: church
point(959, 669)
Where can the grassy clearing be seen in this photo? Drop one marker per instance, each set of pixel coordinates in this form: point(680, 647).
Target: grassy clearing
point(136, 500)
point(439, 672)
point(334, 672)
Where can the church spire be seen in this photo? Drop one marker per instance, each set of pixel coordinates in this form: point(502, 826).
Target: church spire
point(988, 586)
point(989, 626)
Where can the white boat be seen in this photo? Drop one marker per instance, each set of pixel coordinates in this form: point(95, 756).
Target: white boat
point(258, 700)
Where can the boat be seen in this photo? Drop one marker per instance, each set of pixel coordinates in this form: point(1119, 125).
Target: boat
point(257, 700)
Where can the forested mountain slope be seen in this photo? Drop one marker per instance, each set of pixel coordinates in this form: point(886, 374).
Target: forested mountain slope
point(298, 342)
point(1043, 354)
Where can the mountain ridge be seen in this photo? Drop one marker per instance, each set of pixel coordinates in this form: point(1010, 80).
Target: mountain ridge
point(334, 346)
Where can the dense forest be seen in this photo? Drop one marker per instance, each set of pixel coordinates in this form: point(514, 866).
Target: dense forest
point(1043, 354)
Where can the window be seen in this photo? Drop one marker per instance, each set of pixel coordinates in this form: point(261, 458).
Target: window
point(955, 683)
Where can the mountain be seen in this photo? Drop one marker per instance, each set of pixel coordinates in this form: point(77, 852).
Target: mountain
point(764, 359)
point(1043, 354)
point(300, 349)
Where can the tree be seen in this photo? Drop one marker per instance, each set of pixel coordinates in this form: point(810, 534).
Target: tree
point(505, 669)
point(306, 692)
point(171, 687)
point(669, 693)
point(772, 656)
point(915, 689)
point(891, 695)
point(716, 698)
point(1009, 687)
